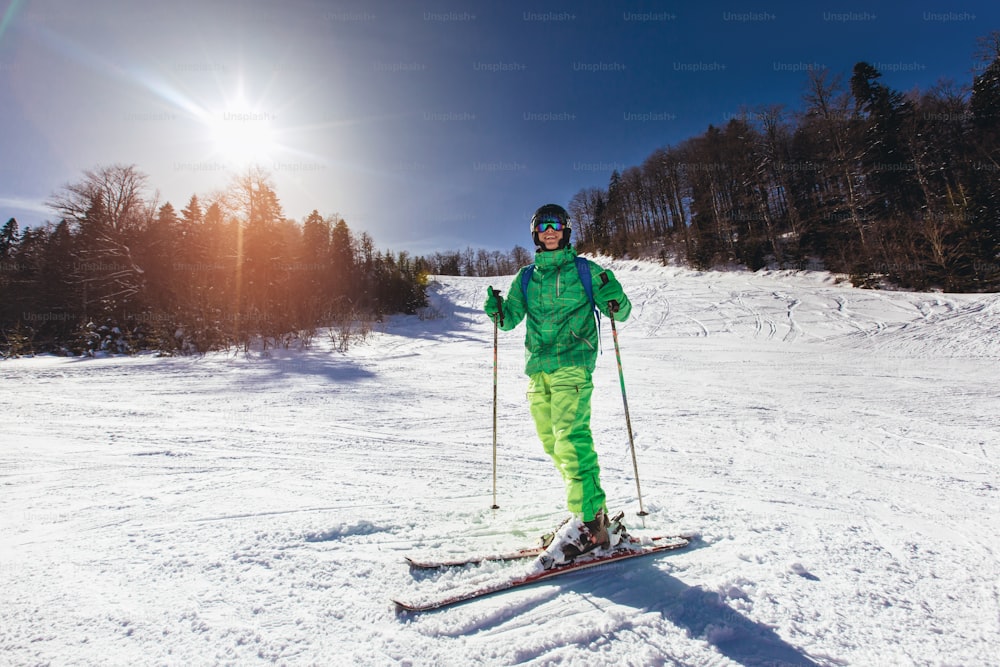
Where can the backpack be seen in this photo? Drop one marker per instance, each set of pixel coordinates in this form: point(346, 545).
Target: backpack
point(583, 269)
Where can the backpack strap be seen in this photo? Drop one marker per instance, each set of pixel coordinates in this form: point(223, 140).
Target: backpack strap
point(525, 279)
point(583, 268)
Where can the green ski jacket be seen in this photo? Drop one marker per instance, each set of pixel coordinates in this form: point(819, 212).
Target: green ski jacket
point(562, 329)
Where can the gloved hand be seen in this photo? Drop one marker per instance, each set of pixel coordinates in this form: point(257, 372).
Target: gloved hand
point(494, 305)
point(613, 294)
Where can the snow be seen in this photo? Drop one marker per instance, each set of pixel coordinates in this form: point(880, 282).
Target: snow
point(835, 451)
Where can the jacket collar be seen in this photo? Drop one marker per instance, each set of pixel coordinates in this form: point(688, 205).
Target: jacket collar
point(555, 258)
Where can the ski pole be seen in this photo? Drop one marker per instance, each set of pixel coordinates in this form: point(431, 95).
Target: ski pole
point(496, 320)
point(628, 421)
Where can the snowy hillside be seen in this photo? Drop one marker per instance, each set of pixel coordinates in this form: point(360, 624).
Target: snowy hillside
point(836, 450)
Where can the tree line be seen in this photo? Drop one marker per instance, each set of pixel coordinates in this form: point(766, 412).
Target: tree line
point(890, 188)
point(119, 272)
point(476, 262)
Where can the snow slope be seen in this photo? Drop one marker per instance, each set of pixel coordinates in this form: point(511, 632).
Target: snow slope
point(836, 451)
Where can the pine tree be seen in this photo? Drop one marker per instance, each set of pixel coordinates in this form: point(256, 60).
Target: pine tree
point(894, 197)
point(342, 265)
point(985, 191)
point(57, 292)
point(9, 238)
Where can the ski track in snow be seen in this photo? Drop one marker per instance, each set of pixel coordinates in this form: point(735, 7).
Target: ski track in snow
point(835, 451)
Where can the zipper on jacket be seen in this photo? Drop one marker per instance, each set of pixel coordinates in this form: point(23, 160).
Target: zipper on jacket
point(581, 338)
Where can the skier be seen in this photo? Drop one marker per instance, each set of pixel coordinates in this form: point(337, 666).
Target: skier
point(561, 346)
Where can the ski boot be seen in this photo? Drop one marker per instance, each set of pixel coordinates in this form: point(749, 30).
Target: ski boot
point(576, 538)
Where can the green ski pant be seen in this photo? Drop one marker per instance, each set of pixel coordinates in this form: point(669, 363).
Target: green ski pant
point(560, 405)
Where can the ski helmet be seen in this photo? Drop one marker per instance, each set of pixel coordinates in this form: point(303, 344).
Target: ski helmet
point(551, 213)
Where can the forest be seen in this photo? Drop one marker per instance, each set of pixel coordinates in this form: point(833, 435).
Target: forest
point(119, 273)
point(893, 189)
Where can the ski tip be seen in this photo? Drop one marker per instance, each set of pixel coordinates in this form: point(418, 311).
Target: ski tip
point(407, 608)
point(403, 608)
point(421, 565)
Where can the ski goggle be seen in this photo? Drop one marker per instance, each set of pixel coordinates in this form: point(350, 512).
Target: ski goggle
point(546, 223)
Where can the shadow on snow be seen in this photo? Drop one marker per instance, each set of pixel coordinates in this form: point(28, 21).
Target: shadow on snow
point(702, 614)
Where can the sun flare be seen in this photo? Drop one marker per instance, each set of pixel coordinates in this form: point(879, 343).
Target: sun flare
point(243, 135)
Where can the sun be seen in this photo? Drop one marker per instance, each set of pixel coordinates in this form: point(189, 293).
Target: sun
point(243, 137)
point(243, 134)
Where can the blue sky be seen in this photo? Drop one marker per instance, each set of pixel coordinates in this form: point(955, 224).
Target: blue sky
point(431, 125)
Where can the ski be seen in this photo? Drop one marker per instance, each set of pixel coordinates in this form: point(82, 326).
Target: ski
point(635, 550)
point(518, 554)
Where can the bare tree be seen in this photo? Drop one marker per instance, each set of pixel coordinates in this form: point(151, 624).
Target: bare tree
point(116, 188)
point(109, 213)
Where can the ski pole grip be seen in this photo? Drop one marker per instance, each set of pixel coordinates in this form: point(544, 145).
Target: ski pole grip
point(495, 295)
